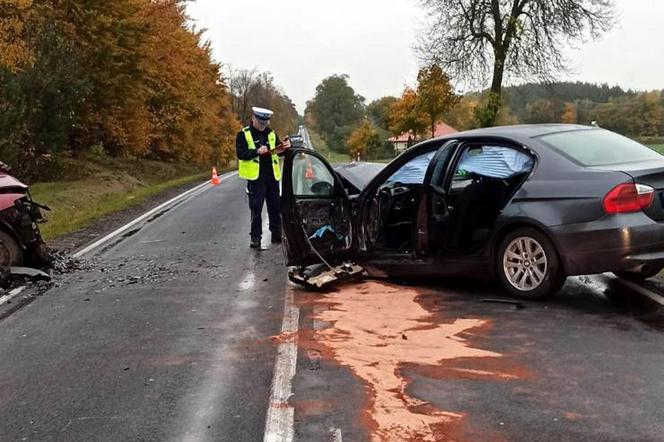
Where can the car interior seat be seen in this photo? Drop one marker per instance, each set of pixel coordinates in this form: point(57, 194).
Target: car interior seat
point(474, 212)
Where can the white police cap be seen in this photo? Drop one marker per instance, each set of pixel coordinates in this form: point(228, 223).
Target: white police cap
point(262, 114)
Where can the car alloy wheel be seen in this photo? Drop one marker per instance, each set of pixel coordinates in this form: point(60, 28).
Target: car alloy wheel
point(525, 264)
point(528, 265)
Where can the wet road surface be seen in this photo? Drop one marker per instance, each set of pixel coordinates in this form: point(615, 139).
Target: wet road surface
point(164, 337)
point(171, 333)
point(444, 365)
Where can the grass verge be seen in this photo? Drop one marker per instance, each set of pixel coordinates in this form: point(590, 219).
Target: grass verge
point(99, 186)
point(322, 148)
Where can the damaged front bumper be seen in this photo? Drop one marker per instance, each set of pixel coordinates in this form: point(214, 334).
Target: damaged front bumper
point(324, 277)
point(20, 220)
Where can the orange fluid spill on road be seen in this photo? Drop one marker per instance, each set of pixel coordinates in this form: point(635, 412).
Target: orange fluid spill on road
point(377, 329)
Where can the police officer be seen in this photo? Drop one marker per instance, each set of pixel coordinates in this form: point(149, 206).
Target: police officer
point(258, 163)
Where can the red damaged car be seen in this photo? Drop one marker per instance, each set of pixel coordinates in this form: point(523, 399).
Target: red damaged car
point(20, 240)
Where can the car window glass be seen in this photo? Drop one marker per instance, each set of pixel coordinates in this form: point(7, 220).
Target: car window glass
point(311, 178)
point(414, 170)
point(493, 162)
point(595, 147)
point(438, 175)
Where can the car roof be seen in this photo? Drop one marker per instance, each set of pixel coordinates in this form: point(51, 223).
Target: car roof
point(522, 130)
point(524, 134)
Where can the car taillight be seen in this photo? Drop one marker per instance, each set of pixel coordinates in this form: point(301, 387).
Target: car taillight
point(626, 198)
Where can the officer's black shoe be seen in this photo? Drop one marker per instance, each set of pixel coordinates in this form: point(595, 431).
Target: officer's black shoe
point(255, 243)
point(276, 239)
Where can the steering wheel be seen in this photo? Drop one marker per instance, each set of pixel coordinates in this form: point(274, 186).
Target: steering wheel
point(322, 188)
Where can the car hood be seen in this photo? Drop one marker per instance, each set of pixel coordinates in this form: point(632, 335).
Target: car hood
point(359, 175)
point(9, 182)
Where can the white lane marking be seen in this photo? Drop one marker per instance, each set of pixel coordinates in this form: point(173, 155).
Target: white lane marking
point(336, 435)
point(280, 417)
point(11, 295)
point(95, 245)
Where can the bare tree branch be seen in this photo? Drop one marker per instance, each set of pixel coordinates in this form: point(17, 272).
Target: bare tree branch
point(474, 40)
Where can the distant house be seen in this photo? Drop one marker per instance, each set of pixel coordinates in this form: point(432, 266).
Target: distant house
point(406, 139)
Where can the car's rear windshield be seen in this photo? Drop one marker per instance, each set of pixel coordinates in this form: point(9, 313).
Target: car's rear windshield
point(598, 147)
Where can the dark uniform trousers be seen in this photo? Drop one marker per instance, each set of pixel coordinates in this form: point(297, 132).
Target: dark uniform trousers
point(265, 188)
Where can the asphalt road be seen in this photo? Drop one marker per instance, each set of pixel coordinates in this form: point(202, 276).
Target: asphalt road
point(171, 333)
point(164, 337)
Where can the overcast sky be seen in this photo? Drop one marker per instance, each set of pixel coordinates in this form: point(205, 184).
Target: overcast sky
point(301, 42)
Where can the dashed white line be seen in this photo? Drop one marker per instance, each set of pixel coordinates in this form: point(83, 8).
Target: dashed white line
point(279, 421)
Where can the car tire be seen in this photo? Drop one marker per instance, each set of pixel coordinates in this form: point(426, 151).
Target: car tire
point(528, 265)
point(11, 253)
point(642, 275)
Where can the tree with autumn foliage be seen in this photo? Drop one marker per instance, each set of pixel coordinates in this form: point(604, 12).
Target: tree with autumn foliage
point(364, 141)
point(406, 115)
point(129, 76)
point(435, 95)
point(14, 52)
point(462, 115)
point(569, 114)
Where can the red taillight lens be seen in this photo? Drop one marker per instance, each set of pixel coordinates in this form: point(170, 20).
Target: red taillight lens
point(626, 198)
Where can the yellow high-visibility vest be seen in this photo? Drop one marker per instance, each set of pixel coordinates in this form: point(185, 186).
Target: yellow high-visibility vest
point(250, 169)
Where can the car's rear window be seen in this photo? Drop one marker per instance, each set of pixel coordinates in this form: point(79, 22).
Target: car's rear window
point(598, 147)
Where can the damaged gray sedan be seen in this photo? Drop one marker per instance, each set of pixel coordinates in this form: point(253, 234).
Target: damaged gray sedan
point(529, 205)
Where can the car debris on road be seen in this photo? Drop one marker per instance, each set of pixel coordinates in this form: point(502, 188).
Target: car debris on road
point(323, 279)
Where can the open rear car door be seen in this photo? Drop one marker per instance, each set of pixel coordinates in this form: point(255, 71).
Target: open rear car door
point(317, 221)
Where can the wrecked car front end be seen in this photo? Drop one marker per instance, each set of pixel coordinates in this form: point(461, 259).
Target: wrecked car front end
point(20, 239)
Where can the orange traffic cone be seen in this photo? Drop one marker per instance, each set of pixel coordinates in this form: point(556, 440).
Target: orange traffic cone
point(309, 173)
point(215, 178)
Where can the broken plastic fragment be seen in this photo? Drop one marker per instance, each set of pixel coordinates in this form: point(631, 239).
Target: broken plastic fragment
point(29, 273)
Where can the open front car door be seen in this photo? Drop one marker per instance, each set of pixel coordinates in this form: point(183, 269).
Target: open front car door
point(317, 221)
